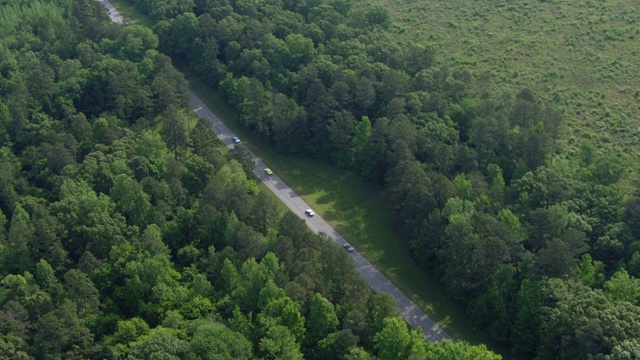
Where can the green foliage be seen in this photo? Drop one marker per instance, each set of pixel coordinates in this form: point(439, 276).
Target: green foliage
point(322, 319)
point(90, 219)
point(165, 346)
point(580, 321)
point(622, 287)
point(134, 41)
point(463, 188)
point(459, 350)
point(395, 341)
point(214, 341)
point(508, 218)
point(279, 343)
point(116, 201)
point(590, 272)
point(60, 331)
point(458, 210)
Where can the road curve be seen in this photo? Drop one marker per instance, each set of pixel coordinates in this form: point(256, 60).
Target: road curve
point(378, 282)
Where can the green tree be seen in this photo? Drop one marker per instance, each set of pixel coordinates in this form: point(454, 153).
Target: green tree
point(578, 322)
point(322, 319)
point(175, 131)
point(280, 343)
point(131, 200)
point(178, 35)
point(149, 145)
point(627, 349)
point(395, 341)
point(512, 221)
point(301, 50)
point(590, 272)
point(45, 275)
point(283, 311)
point(12, 347)
point(472, 256)
point(622, 287)
point(361, 140)
point(47, 244)
point(61, 333)
point(449, 350)
point(20, 237)
point(379, 307)
point(134, 41)
point(130, 330)
point(214, 341)
point(82, 291)
point(165, 9)
point(463, 188)
point(4, 125)
point(336, 345)
point(526, 328)
point(493, 308)
point(204, 141)
point(89, 219)
point(159, 346)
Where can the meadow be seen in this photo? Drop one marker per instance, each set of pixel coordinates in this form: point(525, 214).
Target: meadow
point(583, 56)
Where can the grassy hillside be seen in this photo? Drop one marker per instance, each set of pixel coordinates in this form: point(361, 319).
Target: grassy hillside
point(583, 55)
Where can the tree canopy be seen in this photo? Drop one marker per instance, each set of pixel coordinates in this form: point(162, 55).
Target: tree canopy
point(127, 230)
point(489, 192)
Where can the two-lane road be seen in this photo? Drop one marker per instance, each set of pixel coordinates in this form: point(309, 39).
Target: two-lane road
point(378, 282)
point(411, 313)
point(114, 15)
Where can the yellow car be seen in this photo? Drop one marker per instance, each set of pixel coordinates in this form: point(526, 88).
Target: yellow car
point(268, 171)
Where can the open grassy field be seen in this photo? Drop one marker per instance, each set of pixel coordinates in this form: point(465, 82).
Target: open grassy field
point(582, 55)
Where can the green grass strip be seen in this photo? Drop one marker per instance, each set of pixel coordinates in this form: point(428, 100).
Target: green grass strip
point(354, 207)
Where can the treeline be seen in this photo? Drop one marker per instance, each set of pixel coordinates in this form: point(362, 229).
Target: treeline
point(536, 235)
point(128, 231)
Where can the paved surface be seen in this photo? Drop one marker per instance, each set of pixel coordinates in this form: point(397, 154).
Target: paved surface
point(111, 11)
point(378, 282)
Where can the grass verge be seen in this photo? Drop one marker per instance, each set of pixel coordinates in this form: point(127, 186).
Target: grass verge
point(131, 15)
point(360, 211)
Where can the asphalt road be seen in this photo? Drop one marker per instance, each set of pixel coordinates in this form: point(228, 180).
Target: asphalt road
point(378, 282)
point(112, 12)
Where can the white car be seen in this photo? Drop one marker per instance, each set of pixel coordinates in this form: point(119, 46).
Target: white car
point(348, 247)
point(309, 212)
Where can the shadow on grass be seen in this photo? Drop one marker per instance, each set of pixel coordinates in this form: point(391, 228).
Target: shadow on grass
point(130, 14)
point(362, 213)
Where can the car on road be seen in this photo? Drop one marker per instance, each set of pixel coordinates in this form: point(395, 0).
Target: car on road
point(268, 171)
point(309, 212)
point(348, 247)
point(235, 139)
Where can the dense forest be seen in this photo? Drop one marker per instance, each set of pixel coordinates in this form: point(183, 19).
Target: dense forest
point(129, 231)
point(538, 238)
